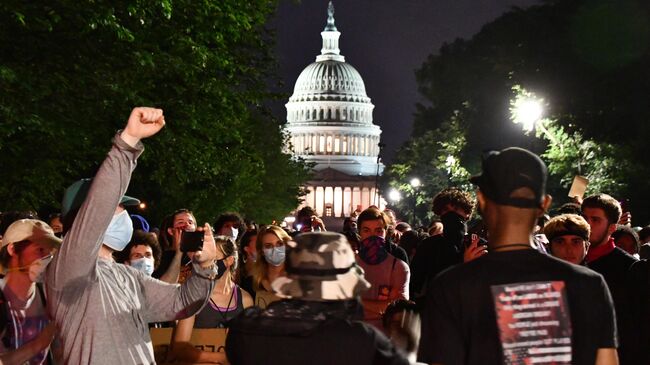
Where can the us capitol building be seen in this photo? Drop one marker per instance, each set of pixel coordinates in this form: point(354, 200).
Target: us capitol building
point(329, 118)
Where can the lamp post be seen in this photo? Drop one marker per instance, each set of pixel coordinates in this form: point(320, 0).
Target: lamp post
point(415, 184)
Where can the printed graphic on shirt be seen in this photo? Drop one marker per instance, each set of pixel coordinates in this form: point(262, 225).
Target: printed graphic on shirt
point(534, 323)
point(384, 292)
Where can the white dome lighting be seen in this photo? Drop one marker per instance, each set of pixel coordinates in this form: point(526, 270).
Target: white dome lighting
point(329, 115)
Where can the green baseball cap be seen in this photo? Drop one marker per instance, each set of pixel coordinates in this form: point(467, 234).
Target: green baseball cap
point(76, 193)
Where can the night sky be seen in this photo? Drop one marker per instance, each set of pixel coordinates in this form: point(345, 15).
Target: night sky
point(386, 41)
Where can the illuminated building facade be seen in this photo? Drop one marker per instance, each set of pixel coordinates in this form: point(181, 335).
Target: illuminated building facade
point(329, 118)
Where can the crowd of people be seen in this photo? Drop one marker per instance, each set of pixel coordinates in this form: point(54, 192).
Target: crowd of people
point(509, 286)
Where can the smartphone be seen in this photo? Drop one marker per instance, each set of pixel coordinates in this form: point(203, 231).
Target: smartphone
point(467, 240)
point(192, 241)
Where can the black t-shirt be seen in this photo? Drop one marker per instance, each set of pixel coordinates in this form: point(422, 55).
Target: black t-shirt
point(434, 255)
point(459, 323)
point(615, 268)
point(397, 251)
point(640, 302)
point(255, 337)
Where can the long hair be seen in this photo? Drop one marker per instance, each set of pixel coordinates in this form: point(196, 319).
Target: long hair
point(229, 248)
point(165, 239)
point(243, 243)
point(261, 267)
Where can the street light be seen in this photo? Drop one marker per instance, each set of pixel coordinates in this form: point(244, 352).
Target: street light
point(415, 184)
point(394, 195)
point(527, 111)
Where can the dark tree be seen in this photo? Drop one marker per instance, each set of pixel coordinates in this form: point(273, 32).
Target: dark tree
point(71, 71)
point(587, 59)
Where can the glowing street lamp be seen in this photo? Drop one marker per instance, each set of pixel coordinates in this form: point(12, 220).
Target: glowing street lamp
point(394, 195)
point(415, 183)
point(527, 111)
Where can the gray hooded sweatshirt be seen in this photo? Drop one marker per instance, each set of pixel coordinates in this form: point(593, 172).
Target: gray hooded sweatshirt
point(102, 308)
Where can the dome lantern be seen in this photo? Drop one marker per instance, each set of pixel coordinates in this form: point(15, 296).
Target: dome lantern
point(330, 35)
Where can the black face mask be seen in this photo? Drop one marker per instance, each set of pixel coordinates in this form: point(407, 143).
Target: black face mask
point(454, 227)
point(221, 268)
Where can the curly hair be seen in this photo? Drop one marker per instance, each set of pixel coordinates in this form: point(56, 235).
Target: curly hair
point(454, 197)
point(140, 238)
point(226, 217)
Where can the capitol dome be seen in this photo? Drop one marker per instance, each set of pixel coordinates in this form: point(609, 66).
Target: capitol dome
point(329, 115)
point(330, 80)
point(329, 119)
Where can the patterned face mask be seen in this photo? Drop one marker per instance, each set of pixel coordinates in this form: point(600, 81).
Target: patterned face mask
point(373, 250)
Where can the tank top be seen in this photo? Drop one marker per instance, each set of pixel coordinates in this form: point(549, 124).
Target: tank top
point(213, 316)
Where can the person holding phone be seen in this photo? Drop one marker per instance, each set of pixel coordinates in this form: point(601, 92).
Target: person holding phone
point(102, 309)
point(227, 301)
point(173, 264)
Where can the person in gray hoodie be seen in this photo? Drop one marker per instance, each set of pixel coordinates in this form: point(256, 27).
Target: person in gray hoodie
point(102, 308)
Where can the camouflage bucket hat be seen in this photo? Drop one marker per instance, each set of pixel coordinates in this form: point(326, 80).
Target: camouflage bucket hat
point(320, 266)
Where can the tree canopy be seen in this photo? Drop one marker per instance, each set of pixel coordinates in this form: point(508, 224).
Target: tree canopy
point(71, 71)
point(587, 59)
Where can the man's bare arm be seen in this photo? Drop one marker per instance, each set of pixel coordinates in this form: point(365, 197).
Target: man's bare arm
point(606, 356)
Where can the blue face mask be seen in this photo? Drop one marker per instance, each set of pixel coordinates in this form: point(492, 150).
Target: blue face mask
point(119, 231)
point(144, 264)
point(275, 256)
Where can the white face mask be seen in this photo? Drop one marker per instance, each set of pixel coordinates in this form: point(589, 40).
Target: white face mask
point(144, 264)
point(119, 231)
point(37, 268)
point(234, 232)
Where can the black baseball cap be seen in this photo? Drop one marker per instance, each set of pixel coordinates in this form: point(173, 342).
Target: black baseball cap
point(508, 170)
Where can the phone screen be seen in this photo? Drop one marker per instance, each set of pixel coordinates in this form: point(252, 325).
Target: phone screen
point(191, 241)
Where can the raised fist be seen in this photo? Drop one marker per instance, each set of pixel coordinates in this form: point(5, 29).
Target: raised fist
point(143, 122)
